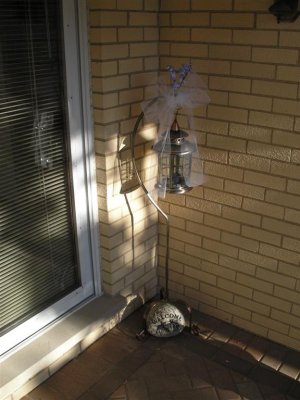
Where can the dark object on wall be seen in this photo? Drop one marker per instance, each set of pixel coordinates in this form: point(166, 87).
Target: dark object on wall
point(285, 10)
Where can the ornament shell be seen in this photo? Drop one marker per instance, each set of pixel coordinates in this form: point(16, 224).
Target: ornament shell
point(164, 319)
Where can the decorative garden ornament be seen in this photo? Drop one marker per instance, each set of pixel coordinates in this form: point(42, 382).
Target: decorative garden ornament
point(179, 170)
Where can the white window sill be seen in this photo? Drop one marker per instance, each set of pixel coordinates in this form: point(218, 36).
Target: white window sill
point(44, 354)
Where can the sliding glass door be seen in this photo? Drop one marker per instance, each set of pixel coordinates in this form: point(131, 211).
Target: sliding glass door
point(45, 261)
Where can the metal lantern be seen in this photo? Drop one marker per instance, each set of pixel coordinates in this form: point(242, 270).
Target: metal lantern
point(175, 153)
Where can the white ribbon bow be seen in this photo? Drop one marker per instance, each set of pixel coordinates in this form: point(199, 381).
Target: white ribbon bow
point(163, 107)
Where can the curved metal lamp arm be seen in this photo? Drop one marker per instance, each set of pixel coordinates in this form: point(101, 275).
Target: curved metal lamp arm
point(161, 212)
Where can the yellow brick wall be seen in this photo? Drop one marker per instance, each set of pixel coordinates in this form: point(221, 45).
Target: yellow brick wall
point(235, 242)
point(123, 38)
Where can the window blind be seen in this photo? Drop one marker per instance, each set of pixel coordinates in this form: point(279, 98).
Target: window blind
point(38, 261)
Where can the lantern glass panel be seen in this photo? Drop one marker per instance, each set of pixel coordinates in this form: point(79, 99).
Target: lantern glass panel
point(173, 171)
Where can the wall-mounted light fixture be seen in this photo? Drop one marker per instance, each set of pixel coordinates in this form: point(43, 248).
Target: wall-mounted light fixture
point(285, 10)
point(178, 173)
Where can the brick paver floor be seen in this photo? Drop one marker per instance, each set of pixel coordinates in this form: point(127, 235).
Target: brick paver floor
point(221, 363)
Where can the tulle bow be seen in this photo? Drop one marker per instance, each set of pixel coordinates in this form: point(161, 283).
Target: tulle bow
point(169, 98)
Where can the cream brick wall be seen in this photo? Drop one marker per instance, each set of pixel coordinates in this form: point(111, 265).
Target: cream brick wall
point(123, 39)
point(239, 252)
point(234, 243)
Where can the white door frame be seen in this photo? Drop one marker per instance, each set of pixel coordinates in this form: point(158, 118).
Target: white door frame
point(83, 176)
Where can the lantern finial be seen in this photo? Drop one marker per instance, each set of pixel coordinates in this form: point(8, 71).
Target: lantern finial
point(175, 125)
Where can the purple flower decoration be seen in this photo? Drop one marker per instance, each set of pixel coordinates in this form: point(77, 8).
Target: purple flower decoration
point(183, 72)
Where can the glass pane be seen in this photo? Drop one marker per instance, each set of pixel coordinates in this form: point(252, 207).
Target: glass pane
point(38, 262)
